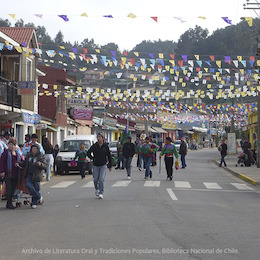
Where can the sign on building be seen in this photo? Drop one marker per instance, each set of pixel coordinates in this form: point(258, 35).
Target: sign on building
point(83, 113)
point(31, 119)
point(26, 87)
point(77, 102)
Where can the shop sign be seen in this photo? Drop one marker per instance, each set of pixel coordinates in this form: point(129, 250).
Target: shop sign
point(83, 113)
point(31, 119)
point(26, 87)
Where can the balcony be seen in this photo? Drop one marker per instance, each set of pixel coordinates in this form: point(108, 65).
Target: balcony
point(8, 94)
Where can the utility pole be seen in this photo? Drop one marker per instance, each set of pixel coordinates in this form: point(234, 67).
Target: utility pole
point(255, 5)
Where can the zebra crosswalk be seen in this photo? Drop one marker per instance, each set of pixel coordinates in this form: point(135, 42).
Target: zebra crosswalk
point(178, 185)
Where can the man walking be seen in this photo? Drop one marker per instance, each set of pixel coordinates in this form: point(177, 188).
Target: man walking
point(183, 152)
point(34, 140)
point(120, 157)
point(128, 153)
point(100, 154)
point(223, 152)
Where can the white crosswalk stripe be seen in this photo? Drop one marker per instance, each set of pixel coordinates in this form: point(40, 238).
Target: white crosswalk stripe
point(212, 185)
point(171, 193)
point(241, 186)
point(121, 184)
point(63, 184)
point(182, 184)
point(152, 184)
point(89, 184)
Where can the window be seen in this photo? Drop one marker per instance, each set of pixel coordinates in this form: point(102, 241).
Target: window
point(74, 145)
point(28, 70)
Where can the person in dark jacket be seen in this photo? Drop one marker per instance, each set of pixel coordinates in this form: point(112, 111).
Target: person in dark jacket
point(100, 154)
point(223, 152)
point(128, 153)
point(247, 149)
point(183, 152)
point(48, 148)
point(9, 171)
point(34, 164)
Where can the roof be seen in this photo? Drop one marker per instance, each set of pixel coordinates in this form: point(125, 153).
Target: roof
point(23, 35)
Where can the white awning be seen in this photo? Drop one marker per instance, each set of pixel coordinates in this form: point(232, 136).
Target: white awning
point(200, 129)
point(159, 130)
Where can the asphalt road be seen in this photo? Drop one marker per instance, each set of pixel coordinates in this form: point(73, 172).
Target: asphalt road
point(204, 213)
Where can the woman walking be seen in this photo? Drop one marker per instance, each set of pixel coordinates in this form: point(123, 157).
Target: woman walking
point(10, 171)
point(48, 148)
point(169, 150)
point(82, 161)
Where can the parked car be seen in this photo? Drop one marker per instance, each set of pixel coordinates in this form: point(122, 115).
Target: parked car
point(177, 144)
point(113, 149)
point(67, 153)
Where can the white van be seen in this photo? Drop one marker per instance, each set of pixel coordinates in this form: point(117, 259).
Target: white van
point(67, 153)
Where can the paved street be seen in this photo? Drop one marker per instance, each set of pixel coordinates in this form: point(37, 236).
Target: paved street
point(204, 213)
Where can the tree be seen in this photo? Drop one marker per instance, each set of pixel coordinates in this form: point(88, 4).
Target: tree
point(190, 40)
point(19, 23)
point(4, 23)
point(59, 38)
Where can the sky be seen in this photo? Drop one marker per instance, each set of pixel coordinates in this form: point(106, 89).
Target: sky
point(122, 30)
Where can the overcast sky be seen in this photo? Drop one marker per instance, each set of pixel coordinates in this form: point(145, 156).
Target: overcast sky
point(124, 31)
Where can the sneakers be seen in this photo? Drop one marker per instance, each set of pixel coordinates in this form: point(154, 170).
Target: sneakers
point(116, 168)
point(145, 177)
point(168, 178)
point(40, 200)
point(100, 196)
point(34, 206)
point(97, 193)
point(128, 178)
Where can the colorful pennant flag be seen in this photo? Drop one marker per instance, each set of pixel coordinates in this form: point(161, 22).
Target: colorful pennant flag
point(64, 17)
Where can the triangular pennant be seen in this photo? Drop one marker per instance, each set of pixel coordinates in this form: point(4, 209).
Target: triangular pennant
point(136, 54)
point(218, 62)
point(84, 15)
point(197, 57)
point(13, 16)
point(131, 15)
point(125, 53)
point(235, 63)
point(212, 57)
point(64, 17)
point(184, 57)
point(199, 62)
point(191, 63)
point(155, 18)
point(244, 63)
point(151, 55)
point(180, 62)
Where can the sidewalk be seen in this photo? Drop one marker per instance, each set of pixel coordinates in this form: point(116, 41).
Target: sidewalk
point(249, 174)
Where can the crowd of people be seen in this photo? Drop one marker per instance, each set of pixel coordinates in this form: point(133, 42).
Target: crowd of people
point(32, 160)
point(24, 165)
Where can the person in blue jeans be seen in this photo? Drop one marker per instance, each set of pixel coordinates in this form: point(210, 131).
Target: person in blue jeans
point(183, 152)
point(128, 153)
point(34, 164)
point(102, 159)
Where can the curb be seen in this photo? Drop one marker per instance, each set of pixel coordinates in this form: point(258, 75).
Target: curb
point(239, 175)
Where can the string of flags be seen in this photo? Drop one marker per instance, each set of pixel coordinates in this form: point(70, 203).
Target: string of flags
point(133, 16)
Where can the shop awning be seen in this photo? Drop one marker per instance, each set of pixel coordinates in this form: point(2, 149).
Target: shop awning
point(52, 128)
point(159, 130)
point(113, 128)
point(199, 129)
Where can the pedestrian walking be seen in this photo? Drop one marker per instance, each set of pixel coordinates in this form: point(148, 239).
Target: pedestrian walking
point(128, 153)
point(10, 171)
point(169, 151)
point(34, 164)
point(48, 149)
point(183, 152)
point(148, 150)
point(6, 137)
point(82, 161)
point(120, 158)
point(55, 152)
point(247, 149)
point(102, 159)
point(34, 140)
point(223, 152)
point(141, 161)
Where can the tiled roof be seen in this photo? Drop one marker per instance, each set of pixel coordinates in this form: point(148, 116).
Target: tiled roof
point(19, 34)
